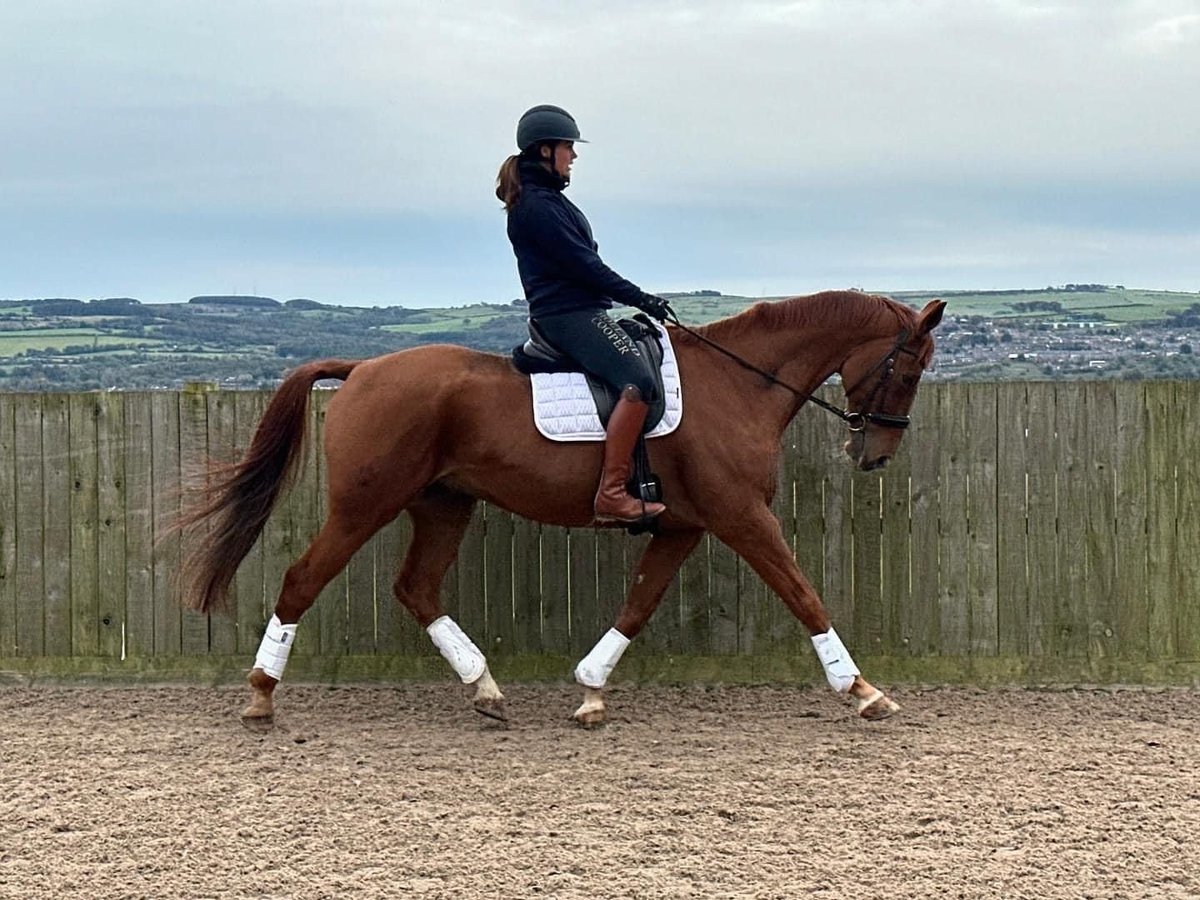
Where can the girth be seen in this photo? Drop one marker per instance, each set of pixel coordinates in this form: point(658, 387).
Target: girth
point(538, 355)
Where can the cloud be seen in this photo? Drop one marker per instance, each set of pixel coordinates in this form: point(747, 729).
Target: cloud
point(389, 118)
point(1170, 34)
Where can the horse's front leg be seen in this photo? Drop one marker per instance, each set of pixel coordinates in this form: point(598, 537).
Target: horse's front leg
point(661, 560)
point(758, 540)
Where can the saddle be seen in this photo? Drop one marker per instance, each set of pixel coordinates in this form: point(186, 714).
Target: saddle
point(538, 355)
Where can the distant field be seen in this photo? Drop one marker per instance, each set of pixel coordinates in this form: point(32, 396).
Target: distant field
point(15, 342)
point(464, 318)
point(1117, 305)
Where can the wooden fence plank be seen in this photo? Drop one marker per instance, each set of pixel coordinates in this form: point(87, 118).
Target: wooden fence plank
point(1162, 585)
point(139, 525)
point(498, 578)
point(165, 448)
point(1186, 599)
point(691, 590)
point(83, 549)
point(221, 416)
point(982, 586)
point(1070, 621)
point(194, 455)
point(111, 500)
point(664, 634)
point(360, 598)
point(56, 489)
point(250, 610)
point(585, 621)
point(954, 604)
point(723, 598)
point(471, 587)
point(555, 612)
point(30, 519)
point(867, 510)
point(895, 549)
point(8, 532)
point(1042, 511)
point(616, 555)
point(1132, 575)
point(920, 618)
point(1012, 457)
point(1099, 519)
point(527, 587)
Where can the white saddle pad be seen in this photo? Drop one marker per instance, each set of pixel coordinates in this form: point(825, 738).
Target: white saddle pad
point(563, 408)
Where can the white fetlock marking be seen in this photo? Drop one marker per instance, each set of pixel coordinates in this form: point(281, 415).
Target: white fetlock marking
point(458, 649)
point(864, 702)
point(593, 701)
point(486, 687)
point(593, 670)
point(840, 669)
point(276, 644)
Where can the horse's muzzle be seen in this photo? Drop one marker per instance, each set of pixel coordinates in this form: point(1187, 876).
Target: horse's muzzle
point(871, 465)
point(859, 450)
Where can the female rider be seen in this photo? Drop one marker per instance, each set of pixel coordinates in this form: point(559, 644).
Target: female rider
point(570, 290)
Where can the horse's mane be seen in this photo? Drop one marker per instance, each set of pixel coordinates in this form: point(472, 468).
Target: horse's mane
point(849, 310)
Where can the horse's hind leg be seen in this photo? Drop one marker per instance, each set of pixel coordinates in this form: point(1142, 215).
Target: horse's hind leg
point(338, 540)
point(660, 561)
point(440, 517)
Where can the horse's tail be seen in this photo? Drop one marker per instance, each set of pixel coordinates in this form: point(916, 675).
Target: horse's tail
point(240, 501)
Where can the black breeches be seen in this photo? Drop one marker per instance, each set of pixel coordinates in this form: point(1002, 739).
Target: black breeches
point(601, 348)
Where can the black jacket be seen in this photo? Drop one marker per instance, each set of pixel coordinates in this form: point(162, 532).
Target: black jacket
point(556, 254)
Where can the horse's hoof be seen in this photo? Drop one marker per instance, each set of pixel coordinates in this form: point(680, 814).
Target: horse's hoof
point(879, 708)
point(259, 724)
point(591, 718)
point(492, 708)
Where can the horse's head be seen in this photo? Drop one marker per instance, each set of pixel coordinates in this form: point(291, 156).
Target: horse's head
point(882, 377)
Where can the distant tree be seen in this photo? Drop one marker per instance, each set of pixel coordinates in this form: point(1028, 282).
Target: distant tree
point(245, 302)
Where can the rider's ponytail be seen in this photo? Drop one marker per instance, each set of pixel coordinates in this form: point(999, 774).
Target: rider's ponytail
point(508, 182)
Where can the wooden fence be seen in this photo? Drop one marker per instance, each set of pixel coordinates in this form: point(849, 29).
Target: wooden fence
point(1027, 532)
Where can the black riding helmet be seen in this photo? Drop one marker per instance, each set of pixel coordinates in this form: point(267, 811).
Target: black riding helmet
point(546, 123)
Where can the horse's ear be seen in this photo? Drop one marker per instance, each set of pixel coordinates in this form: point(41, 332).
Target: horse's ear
point(930, 316)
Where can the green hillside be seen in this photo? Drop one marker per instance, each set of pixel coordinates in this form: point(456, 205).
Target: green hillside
point(1065, 332)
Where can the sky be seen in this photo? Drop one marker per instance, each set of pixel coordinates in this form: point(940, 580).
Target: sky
point(346, 150)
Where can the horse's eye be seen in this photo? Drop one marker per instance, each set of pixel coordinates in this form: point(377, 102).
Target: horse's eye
point(908, 380)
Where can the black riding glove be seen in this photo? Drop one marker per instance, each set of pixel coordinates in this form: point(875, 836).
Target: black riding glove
point(656, 307)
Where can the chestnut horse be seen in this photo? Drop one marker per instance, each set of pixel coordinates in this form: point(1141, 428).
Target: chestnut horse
point(433, 429)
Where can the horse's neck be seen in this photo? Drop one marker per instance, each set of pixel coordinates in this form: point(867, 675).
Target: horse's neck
point(802, 354)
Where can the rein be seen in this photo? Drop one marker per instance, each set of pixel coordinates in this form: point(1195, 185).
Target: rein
point(855, 421)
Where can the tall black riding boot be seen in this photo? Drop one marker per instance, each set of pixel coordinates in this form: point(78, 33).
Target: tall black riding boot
point(613, 501)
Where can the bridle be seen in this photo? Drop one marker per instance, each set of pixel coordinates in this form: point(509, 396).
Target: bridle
point(855, 421)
